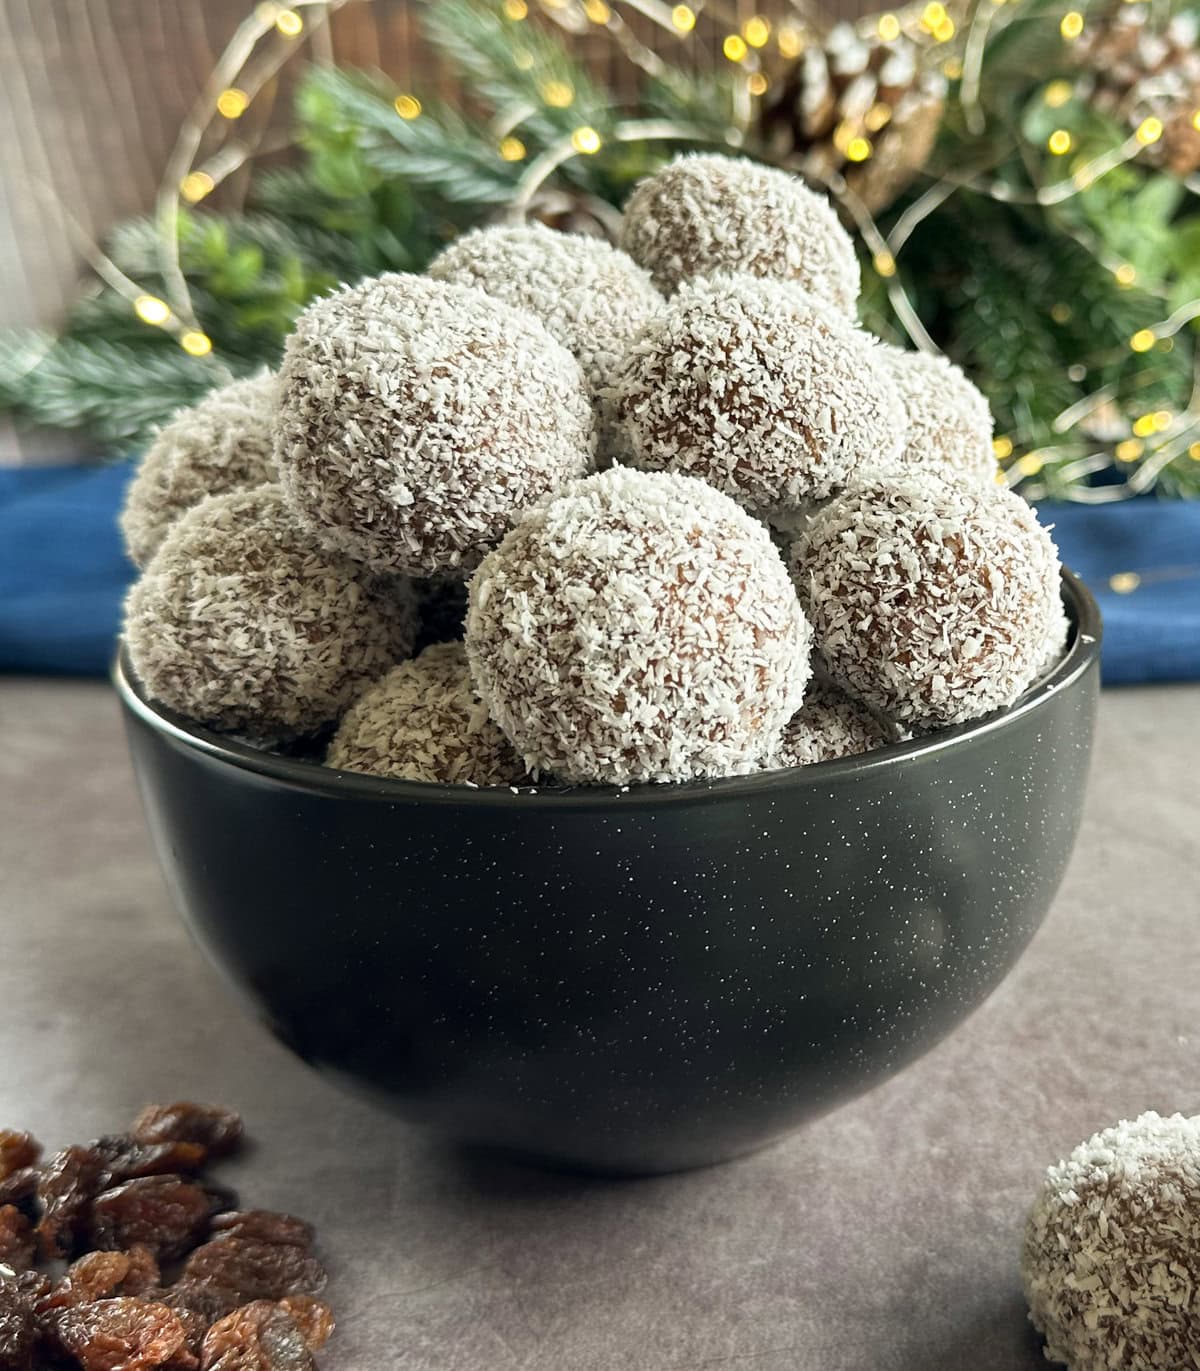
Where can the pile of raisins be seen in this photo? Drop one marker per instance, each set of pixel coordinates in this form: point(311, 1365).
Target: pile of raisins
point(120, 1256)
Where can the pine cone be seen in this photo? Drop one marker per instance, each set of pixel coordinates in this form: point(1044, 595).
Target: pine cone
point(1135, 70)
point(854, 87)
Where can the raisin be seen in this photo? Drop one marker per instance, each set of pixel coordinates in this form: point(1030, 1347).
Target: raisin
point(17, 1151)
point(67, 1184)
point(198, 1306)
point(262, 1225)
point(217, 1129)
point(143, 1273)
point(19, 1188)
point(312, 1316)
point(19, 1332)
point(127, 1159)
point(167, 1214)
point(117, 1335)
point(257, 1337)
point(18, 1243)
point(256, 1270)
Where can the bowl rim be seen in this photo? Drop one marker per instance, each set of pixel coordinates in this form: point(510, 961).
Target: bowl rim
point(314, 777)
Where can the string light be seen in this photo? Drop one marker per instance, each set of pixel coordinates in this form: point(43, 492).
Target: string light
point(858, 149)
point(1163, 419)
point(1196, 120)
point(1149, 131)
point(944, 31)
point(195, 186)
point(1142, 340)
point(1060, 312)
point(597, 11)
point(151, 310)
point(1126, 275)
point(1194, 452)
point(512, 149)
point(952, 69)
point(884, 264)
point(1143, 426)
point(516, 10)
point(758, 83)
point(289, 23)
point(1071, 26)
point(888, 28)
point(756, 31)
point(734, 47)
point(683, 18)
point(1129, 450)
point(523, 59)
point(1059, 142)
point(790, 41)
point(876, 117)
point(407, 106)
point(558, 94)
point(195, 343)
point(1124, 582)
point(1031, 463)
point(932, 15)
point(1002, 447)
point(586, 140)
point(1057, 93)
point(233, 103)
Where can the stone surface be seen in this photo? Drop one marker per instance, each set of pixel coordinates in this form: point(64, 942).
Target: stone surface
point(882, 1238)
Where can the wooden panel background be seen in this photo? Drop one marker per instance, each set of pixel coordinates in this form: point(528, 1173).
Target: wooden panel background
point(92, 95)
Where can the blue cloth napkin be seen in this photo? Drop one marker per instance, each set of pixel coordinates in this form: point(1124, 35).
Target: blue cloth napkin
point(63, 574)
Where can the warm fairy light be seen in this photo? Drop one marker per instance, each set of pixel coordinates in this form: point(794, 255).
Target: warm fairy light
point(952, 69)
point(1149, 131)
point(1002, 447)
point(289, 23)
point(407, 106)
point(790, 41)
point(512, 149)
point(585, 140)
point(1059, 142)
point(944, 31)
point(1163, 419)
point(1030, 464)
point(888, 28)
point(932, 15)
point(1057, 93)
point(1166, 345)
point(516, 10)
point(1126, 275)
point(876, 117)
point(558, 94)
point(195, 186)
point(597, 11)
point(683, 18)
point(1196, 120)
point(1060, 312)
point(1194, 452)
point(195, 343)
point(884, 264)
point(734, 47)
point(1071, 26)
point(1124, 582)
point(1143, 426)
point(758, 83)
point(151, 310)
point(858, 149)
point(233, 103)
point(1142, 340)
point(522, 59)
point(1129, 450)
point(756, 31)
point(1076, 372)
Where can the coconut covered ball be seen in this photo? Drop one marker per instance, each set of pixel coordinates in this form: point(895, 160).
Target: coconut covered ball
point(949, 422)
point(1111, 1262)
point(242, 623)
point(703, 214)
point(829, 725)
point(931, 601)
point(424, 722)
point(761, 390)
point(417, 418)
point(640, 627)
point(591, 297)
point(223, 443)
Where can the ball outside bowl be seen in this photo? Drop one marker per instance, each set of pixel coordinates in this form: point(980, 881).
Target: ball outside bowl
point(625, 981)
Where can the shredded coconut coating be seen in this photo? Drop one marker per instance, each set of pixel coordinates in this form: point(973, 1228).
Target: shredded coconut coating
point(417, 418)
point(640, 627)
point(1111, 1262)
point(223, 443)
point(240, 622)
point(591, 297)
point(1057, 640)
point(703, 214)
point(949, 422)
point(930, 601)
point(759, 389)
point(424, 722)
point(830, 725)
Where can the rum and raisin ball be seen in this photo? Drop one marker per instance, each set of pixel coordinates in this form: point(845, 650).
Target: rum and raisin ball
point(703, 213)
point(417, 418)
point(241, 622)
point(761, 390)
point(424, 722)
point(830, 725)
point(949, 422)
point(223, 443)
point(931, 601)
point(1111, 1262)
point(591, 296)
point(639, 627)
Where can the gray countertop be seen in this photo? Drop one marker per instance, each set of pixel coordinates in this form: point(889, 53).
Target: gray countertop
point(882, 1237)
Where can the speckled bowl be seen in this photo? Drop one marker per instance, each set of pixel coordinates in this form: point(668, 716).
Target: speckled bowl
point(626, 982)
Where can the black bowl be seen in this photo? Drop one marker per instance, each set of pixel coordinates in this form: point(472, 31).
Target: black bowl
point(625, 981)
